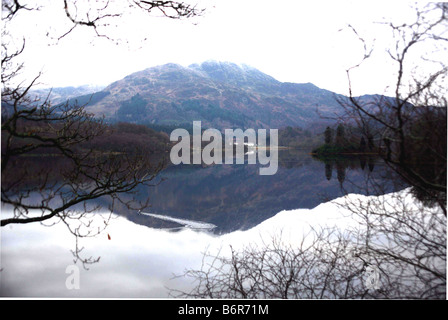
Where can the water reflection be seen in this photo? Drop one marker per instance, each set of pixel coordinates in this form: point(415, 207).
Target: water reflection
point(343, 163)
point(236, 197)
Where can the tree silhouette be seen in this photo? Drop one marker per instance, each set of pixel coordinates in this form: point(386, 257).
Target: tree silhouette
point(328, 135)
point(340, 136)
point(362, 144)
point(332, 262)
point(409, 128)
point(36, 127)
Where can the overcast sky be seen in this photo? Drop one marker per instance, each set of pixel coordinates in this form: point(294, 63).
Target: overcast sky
point(295, 41)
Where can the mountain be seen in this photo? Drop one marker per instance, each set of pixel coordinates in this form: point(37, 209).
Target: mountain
point(62, 94)
point(220, 94)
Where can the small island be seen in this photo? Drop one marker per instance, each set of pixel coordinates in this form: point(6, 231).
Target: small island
point(340, 143)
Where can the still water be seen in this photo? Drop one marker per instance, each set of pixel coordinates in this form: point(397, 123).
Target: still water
point(140, 254)
point(235, 197)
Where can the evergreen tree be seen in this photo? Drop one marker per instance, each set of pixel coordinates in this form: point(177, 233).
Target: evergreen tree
point(362, 145)
point(340, 135)
point(328, 135)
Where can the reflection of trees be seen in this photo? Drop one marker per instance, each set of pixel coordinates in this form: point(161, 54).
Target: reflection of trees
point(371, 164)
point(236, 197)
point(340, 168)
point(328, 171)
point(362, 162)
point(344, 163)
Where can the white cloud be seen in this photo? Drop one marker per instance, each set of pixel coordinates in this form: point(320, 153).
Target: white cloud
point(295, 41)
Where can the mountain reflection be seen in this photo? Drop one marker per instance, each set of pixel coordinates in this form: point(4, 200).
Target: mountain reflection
point(235, 196)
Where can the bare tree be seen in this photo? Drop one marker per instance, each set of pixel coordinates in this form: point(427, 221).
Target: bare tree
point(49, 174)
point(401, 236)
point(320, 266)
point(409, 128)
point(98, 15)
point(401, 241)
